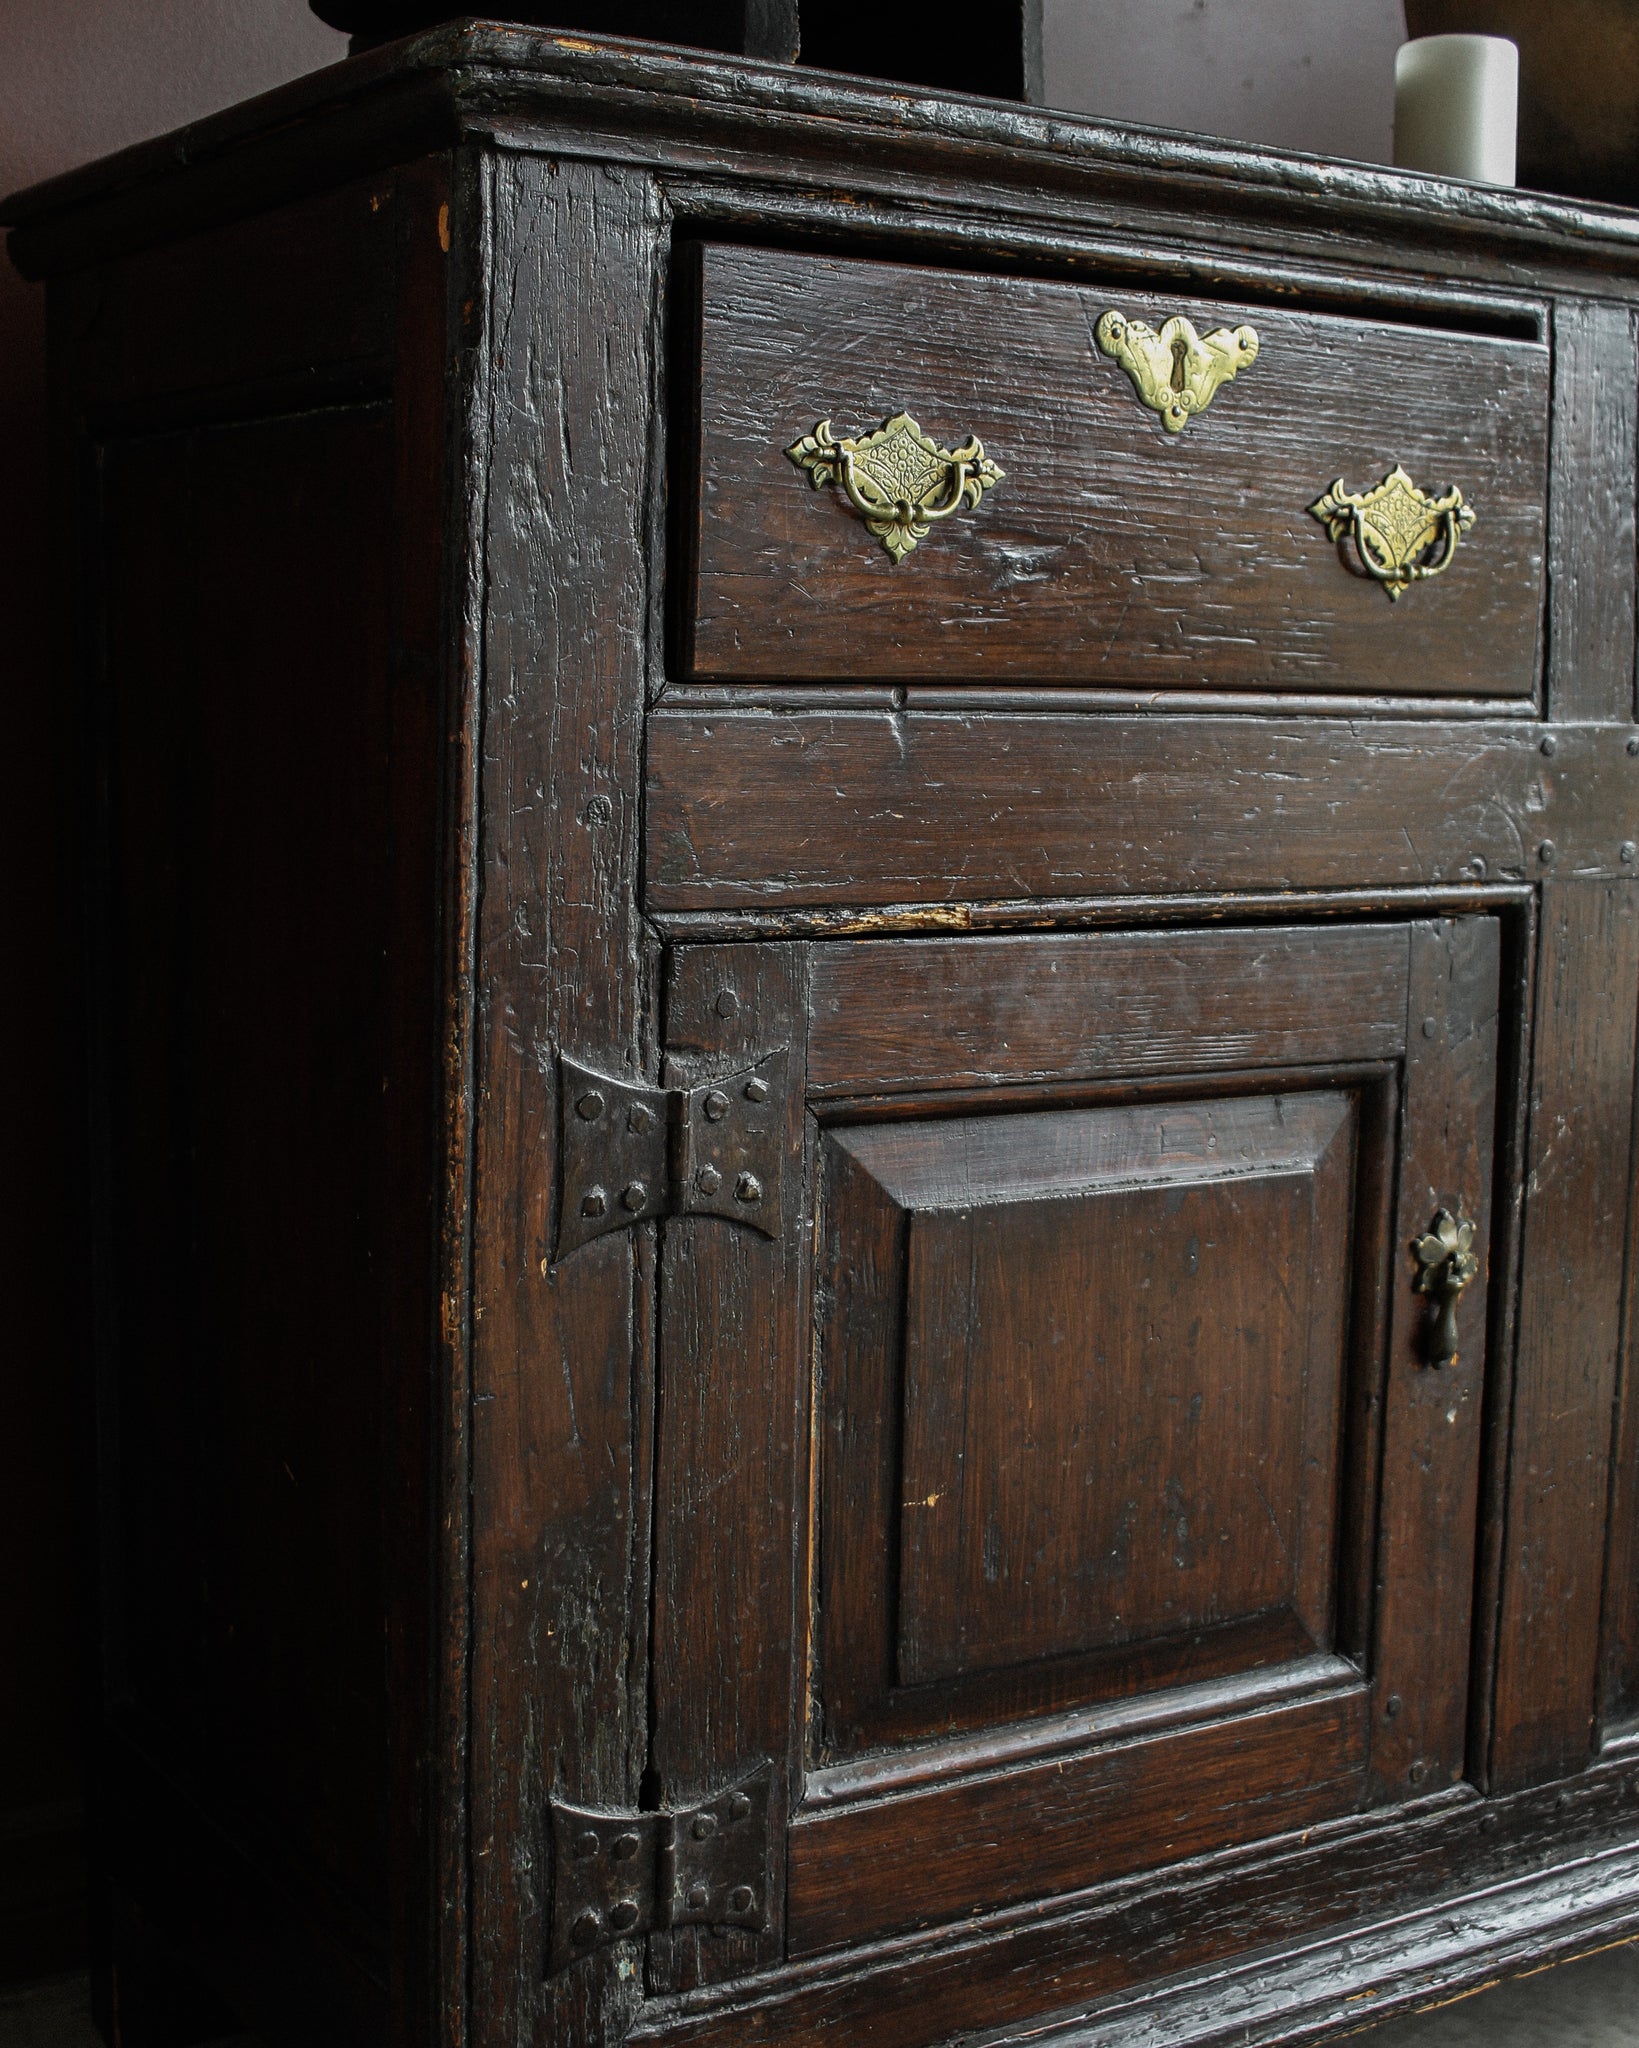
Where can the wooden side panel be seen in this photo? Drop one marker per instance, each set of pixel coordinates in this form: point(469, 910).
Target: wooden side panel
point(559, 1369)
point(730, 1462)
point(786, 809)
point(1112, 552)
point(1432, 1414)
point(1575, 1229)
point(1591, 529)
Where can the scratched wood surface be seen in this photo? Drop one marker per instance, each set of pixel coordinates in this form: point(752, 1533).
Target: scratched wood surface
point(731, 1465)
point(1578, 1187)
point(1113, 551)
point(560, 1430)
point(789, 809)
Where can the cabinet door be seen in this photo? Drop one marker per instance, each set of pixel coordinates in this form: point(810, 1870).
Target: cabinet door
point(1142, 1502)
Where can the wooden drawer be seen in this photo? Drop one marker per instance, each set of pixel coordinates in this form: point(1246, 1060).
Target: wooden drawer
point(1114, 550)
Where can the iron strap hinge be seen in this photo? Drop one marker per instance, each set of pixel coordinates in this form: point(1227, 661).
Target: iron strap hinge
point(629, 1153)
point(616, 1875)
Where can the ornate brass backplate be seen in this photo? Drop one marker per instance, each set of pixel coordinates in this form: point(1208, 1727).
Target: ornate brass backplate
point(1176, 372)
point(1400, 533)
point(1445, 1265)
point(898, 479)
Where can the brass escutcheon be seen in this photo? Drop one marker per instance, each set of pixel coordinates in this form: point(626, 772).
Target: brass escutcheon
point(1446, 1263)
point(897, 479)
point(1401, 534)
point(1176, 372)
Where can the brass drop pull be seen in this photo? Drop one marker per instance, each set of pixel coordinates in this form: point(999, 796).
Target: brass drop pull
point(899, 480)
point(1401, 534)
point(1176, 372)
point(1446, 1263)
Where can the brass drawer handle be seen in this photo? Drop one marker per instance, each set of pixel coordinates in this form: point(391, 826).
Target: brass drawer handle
point(1176, 372)
point(1446, 1264)
point(898, 479)
point(1400, 533)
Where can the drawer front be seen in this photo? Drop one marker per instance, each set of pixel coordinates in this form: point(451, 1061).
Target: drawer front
point(1115, 549)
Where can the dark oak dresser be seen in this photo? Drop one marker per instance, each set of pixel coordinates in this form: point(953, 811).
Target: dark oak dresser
point(863, 946)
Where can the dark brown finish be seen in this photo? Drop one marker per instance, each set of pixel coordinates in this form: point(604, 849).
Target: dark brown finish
point(996, 1841)
point(1083, 1379)
point(731, 1448)
point(1591, 554)
point(1114, 553)
point(1054, 1502)
point(902, 1015)
point(789, 809)
point(1577, 1194)
point(1074, 1482)
point(1432, 1414)
point(561, 1564)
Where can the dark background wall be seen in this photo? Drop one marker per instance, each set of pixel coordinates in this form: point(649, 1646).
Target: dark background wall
point(79, 78)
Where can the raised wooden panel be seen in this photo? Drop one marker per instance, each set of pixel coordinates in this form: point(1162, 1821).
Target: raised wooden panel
point(1112, 552)
point(1120, 1384)
point(1083, 1375)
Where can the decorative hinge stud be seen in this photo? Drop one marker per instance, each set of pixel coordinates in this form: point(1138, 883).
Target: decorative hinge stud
point(629, 1153)
point(619, 1874)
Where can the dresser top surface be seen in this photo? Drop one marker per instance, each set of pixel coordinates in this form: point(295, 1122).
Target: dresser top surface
point(555, 90)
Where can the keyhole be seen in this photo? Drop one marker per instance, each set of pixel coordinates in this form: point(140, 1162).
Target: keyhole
point(1180, 359)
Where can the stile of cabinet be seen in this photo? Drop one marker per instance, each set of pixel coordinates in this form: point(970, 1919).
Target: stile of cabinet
point(865, 967)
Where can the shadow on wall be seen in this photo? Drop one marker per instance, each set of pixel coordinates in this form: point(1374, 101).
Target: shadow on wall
point(78, 78)
point(1314, 75)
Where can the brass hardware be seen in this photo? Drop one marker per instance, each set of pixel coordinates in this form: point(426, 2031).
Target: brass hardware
point(1446, 1263)
point(898, 480)
point(1176, 372)
point(1396, 527)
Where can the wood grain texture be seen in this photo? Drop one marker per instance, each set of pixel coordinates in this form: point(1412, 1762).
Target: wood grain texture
point(560, 1373)
point(1001, 1970)
point(960, 1848)
point(939, 1015)
point(1107, 1389)
point(900, 1013)
point(786, 809)
point(1591, 534)
point(1112, 552)
point(731, 1457)
point(1576, 1223)
point(1432, 1415)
